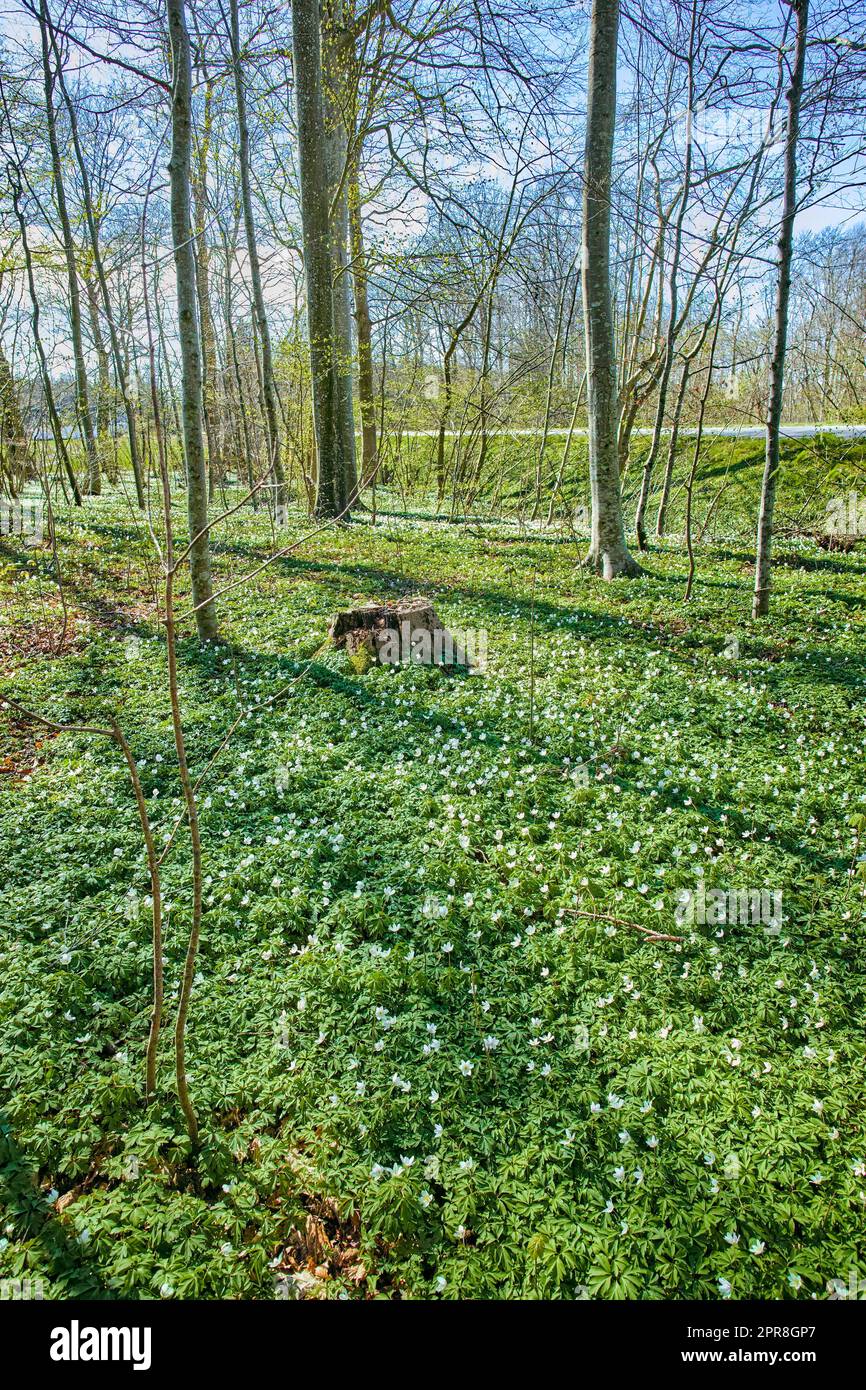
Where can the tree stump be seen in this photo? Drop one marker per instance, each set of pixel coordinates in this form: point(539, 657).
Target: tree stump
point(397, 633)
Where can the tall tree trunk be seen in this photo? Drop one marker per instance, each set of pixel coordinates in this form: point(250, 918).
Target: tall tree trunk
point(337, 45)
point(56, 427)
point(608, 553)
point(673, 441)
point(269, 386)
point(187, 314)
point(202, 266)
point(566, 449)
point(548, 400)
point(245, 449)
point(332, 497)
point(672, 450)
point(444, 417)
point(364, 333)
point(674, 319)
point(483, 392)
point(761, 601)
point(93, 233)
point(699, 435)
point(82, 404)
point(103, 374)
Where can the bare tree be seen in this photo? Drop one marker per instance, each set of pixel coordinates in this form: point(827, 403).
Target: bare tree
point(761, 602)
point(269, 385)
point(14, 175)
point(82, 404)
point(188, 326)
point(608, 553)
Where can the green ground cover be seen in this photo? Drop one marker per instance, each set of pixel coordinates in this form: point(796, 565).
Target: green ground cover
point(426, 1061)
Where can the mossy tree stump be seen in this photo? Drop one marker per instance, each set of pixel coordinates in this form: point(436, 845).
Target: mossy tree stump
point(396, 634)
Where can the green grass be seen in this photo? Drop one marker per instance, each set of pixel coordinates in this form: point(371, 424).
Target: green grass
point(399, 867)
point(727, 486)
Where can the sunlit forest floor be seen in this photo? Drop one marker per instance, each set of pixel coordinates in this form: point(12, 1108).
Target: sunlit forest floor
point(432, 1051)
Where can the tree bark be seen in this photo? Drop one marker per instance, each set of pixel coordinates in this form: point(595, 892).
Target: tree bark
point(764, 541)
point(332, 498)
point(188, 331)
point(104, 411)
point(364, 333)
point(336, 76)
point(202, 266)
point(608, 553)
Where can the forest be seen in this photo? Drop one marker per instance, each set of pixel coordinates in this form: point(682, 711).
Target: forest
point(432, 614)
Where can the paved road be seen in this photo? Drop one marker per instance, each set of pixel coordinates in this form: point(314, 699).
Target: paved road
point(787, 431)
point(726, 431)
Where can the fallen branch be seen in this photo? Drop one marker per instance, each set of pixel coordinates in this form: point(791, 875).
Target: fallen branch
point(621, 922)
